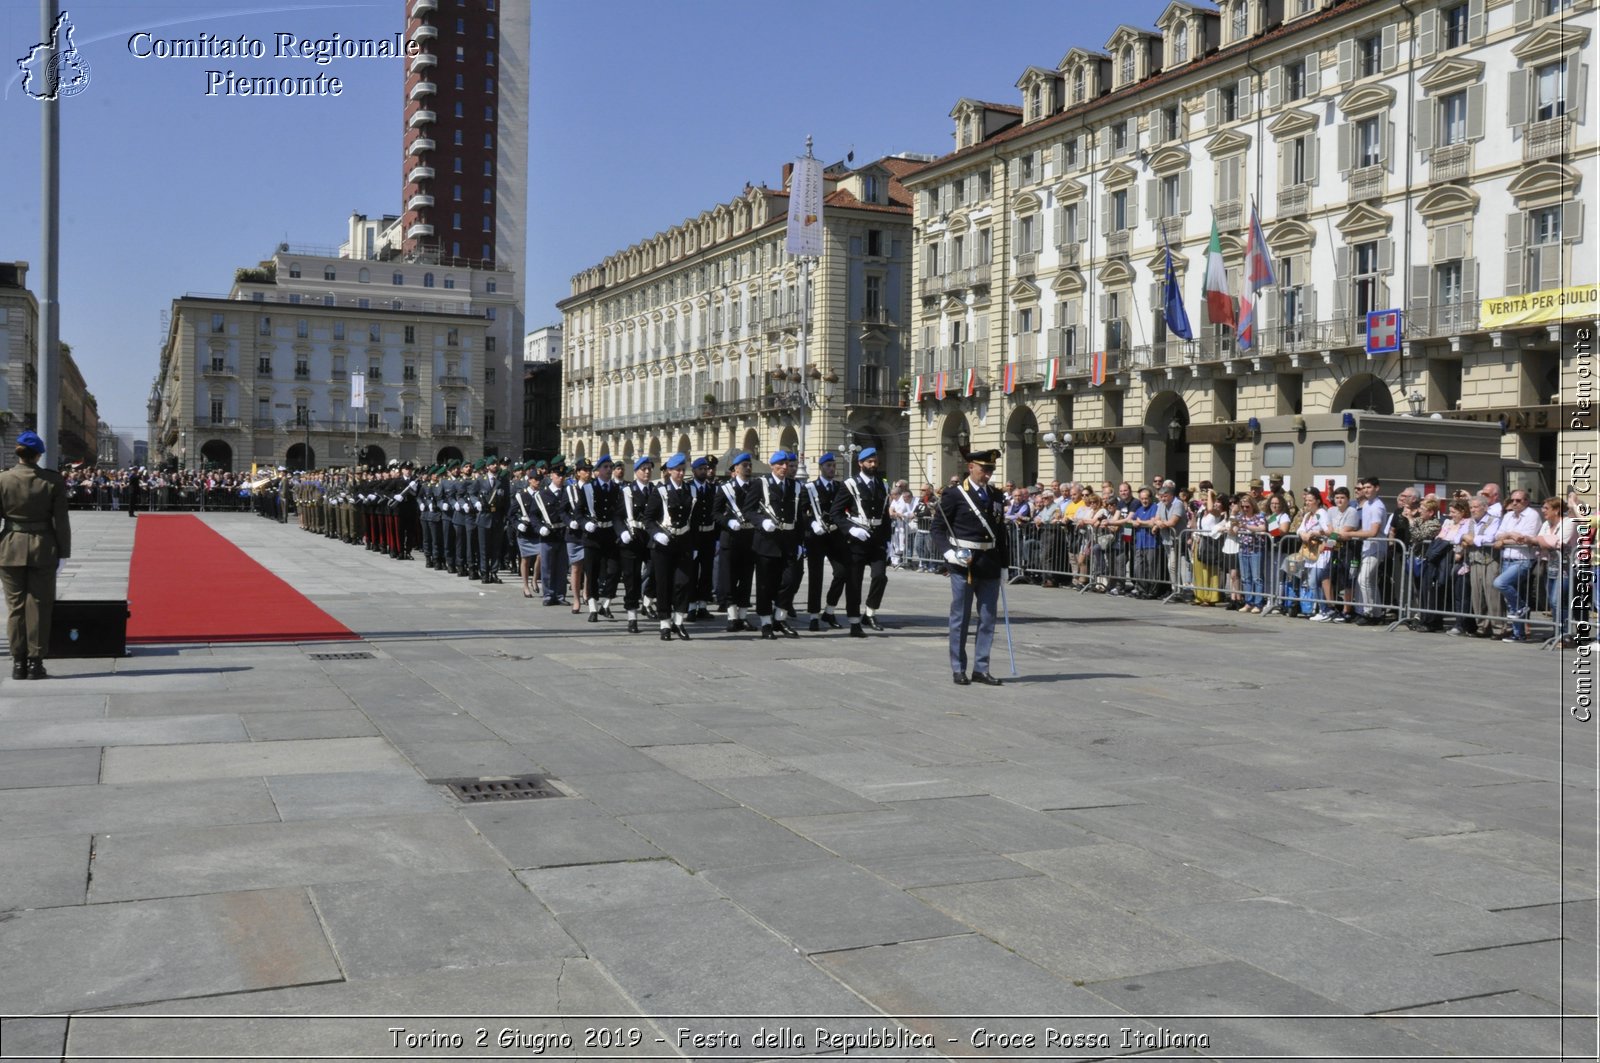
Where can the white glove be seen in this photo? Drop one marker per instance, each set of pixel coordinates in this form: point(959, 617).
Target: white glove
point(733, 525)
point(627, 537)
point(768, 526)
point(663, 538)
point(572, 524)
point(589, 526)
point(399, 498)
point(544, 530)
point(953, 558)
point(818, 528)
point(522, 527)
point(861, 533)
point(477, 504)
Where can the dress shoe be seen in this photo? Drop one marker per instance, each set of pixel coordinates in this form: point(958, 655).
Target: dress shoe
point(785, 630)
point(605, 611)
point(666, 635)
point(633, 627)
point(985, 678)
point(19, 668)
point(872, 622)
point(735, 626)
point(831, 620)
point(594, 618)
point(856, 632)
point(766, 632)
point(36, 668)
point(960, 679)
point(816, 625)
point(677, 629)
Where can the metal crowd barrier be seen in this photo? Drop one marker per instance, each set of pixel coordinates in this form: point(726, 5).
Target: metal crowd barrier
point(1468, 602)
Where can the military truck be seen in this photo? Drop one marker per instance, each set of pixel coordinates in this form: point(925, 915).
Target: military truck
point(1437, 454)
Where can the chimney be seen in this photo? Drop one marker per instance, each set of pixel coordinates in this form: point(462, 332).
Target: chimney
point(788, 168)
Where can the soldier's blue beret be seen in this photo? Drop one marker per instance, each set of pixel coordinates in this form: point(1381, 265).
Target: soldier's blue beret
point(826, 457)
point(701, 463)
point(30, 439)
point(604, 459)
point(741, 458)
point(782, 455)
point(676, 461)
point(642, 461)
point(870, 452)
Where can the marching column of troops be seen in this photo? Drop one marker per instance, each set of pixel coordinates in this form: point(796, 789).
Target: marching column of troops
point(679, 545)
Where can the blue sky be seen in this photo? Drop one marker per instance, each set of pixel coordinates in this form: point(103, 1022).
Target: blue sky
point(642, 114)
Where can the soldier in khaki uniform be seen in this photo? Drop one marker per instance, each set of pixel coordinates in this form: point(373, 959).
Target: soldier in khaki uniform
point(37, 534)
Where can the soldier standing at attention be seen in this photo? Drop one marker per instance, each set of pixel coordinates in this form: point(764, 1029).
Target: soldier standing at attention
point(605, 563)
point(634, 545)
point(824, 543)
point(861, 507)
point(771, 506)
point(969, 531)
point(734, 560)
point(672, 510)
point(705, 535)
point(37, 536)
point(575, 512)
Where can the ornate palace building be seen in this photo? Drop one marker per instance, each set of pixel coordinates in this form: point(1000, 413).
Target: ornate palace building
point(1437, 158)
point(710, 338)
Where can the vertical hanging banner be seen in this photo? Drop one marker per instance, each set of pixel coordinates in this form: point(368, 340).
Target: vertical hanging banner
point(358, 391)
point(805, 208)
point(1008, 382)
point(1097, 368)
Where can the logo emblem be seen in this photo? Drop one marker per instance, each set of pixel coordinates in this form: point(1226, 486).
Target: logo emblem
point(55, 69)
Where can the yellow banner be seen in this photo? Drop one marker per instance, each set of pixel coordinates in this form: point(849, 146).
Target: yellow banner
point(1553, 304)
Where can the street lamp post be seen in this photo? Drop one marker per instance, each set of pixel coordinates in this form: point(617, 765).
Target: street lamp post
point(306, 457)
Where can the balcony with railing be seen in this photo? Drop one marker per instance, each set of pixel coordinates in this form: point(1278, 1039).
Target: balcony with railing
point(421, 199)
point(341, 374)
point(1230, 214)
point(420, 173)
point(1025, 345)
point(1547, 139)
point(422, 88)
point(951, 357)
point(217, 369)
point(422, 117)
point(264, 424)
point(424, 32)
point(452, 431)
point(1366, 182)
point(422, 7)
point(421, 60)
point(422, 144)
point(223, 422)
point(1069, 253)
point(1450, 163)
point(1442, 319)
point(419, 229)
point(1027, 264)
point(875, 315)
point(871, 397)
point(1117, 243)
point(454, 382)
point(1294, 201)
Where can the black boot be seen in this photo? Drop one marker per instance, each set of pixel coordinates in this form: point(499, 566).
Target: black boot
point(633, 627)
point(36, 668)
point(19, 668)
point(830, 620)
point(816, 625)
point(677, 629)
point(666, 634)
point(766, 632)
point(856, 632)
point(872, 622)
point(783, 628)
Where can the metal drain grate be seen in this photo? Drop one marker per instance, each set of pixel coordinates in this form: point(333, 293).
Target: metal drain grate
point(507, 788)
point(342, 657)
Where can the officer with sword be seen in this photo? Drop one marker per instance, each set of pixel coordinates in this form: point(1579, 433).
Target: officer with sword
point(970, 533)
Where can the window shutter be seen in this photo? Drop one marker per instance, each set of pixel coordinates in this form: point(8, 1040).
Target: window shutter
point(1421, 291)
point(1080, 336)
point(1476, 112)
point(1038, 164)
point(1105, 213)
point(1013, 169)
point(1308, 303)
point(1083, 228)
point(1550, 262)
point(1347, 61)
point(1058, 157)
point(1386, 256)
point(1517, 100)
point(1184, 192)
point(1572, 222)
point(1285, 163)
point(1133, 206)
point(1469, 283)
point(1313, 158)
point(1577, 75)
point(1152, 200)
point(1267, 308)
point(1388, 143)
point(1522, 11)
point(1423, 125)
point(1346, 138)
point(1157, 133)
point(1245, 99)
point(1052, 343)
point(1427, 32)
point(1456, 241)
point(1061, 226)
point(1038, 233)
point(1390, 46)
point(1274, 88)
point(1341, 281)
point(1016, 322)
point(1016, 237)
point(1515, 224)
point(1313, 75)
point(1474, 21)
point(1212, 109)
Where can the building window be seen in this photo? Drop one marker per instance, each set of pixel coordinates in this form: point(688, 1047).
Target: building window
point(1453, 119)
point(362, 304)
point(488, 58)
point(408, 423)
point(488, 376)
point(410, 333)
point(1171, 196)
point(374, 371)
point(1127, 66)
point(456, 167)
point(1369, 142)
point(374, 333)
point(1294, 80)
point(1078, 88)
point(1229, 99)
point(488, 84)
point(461, 82)
point(488, 420)
point(488, 114)
point(1546, 228)
point(489, 312)
point(399, 278)
point(460, 109)
point(1069, 153)
point(408, 373)
point(1119, 138)
point(1180, 42)
point(455, 193)
point(1240, 25)
point(216, 411)
point(1366, 282)
point(486, 226)
point(217, 324)
point(452, 337)
point(294, 298)
point(449, 282)
point(1550, 83)
point(488, 140)
point(264, 327)
point(461, 54)
point(302, 414)
point(302, 329)
point(1114, 321)
point(294, 269)
point(327, 300)
point(489, 30)
point(327, 273)
point(338, 330)
point(1455, 26)
point(874, 297)
point(455, 220)
point(302, 369)
point(460, 141)
point(365, 276)
point(427, 280)
point(1170, 119)
point(264, 365)
point(450, 418)
point(1447, 283)
point(1119, 210)
point(1369, 55)
point(263, 410)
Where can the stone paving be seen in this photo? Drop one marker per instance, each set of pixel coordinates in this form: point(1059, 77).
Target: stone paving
point(1178, 833)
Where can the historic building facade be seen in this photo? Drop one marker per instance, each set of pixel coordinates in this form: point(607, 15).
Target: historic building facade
point(77, 412)
point(1437, 158)
point(710, 338)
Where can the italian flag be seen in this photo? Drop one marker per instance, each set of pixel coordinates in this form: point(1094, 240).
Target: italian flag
point(1219, 304)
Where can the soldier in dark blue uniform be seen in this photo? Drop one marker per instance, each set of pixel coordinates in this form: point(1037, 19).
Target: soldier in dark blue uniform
point(633, 543)
point(672, 510)
point(605, 563)
point(545, 508)
point(969, 531)
point(735, 562)
point(494, 494)
point(772, 506)
point(576, 512)
point(861, 508)
point(704, 487)
point(824, 543)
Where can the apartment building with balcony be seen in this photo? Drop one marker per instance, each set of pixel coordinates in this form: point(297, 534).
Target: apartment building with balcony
point(263, 372)
point(710, 338)
point(77, 411)
point(1438, 159)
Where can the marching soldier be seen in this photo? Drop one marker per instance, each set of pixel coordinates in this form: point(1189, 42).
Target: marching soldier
point(772, 507)
point(861, 508)
point(604, 560)
point(429, 493)
point(407, 511)
point(705, 535)
point(735, 562)
point(634, 544)
point(824, 542)
point(494, 491)
point(576, 511)
point(672, 512)
point(547, 502)
point(466, 522)
point(969, 531)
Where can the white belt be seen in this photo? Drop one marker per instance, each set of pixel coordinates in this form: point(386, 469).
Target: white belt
point(784, 527)
point(708, 527)
point(970, 545)
point(675, 532)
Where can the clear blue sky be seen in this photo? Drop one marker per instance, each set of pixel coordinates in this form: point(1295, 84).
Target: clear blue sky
point(642, 113)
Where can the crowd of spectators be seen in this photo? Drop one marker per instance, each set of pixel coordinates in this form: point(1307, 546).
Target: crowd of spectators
point(156, 489)
point(1468, 565)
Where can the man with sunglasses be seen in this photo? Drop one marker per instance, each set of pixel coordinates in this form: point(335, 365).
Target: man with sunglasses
point(1517, 540)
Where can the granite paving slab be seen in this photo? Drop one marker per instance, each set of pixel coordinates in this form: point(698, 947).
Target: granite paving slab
point(1038, 788)
point(45, 872)
point(959, 985)
point(996, 825)
point(1358, 969)
point(470, 760)
point(1065, 930)
point(791, 794)
point(1558, 971)
point(595, 755)
point(646, 791)
point(647, 726)
point(722, 837)
point(1372, 811)
point(33, 706)
point(174, 863)
point(1131, 877)
point(106, 808)
point(720, 760)
point(943, 869)
point(825, 905)
point(352, 794)
point(165, 731)
point(567, 990)
point(1505, 1025)
point(122, 703)
point(231, 760)
point(475, 919)
point(27, 768)
point(556, 831)
point(102, 955)
point(1407, 912)
point(313, 723)
point(882, 778)
point(600, 887)
point(882, 835)
point(25, 1038)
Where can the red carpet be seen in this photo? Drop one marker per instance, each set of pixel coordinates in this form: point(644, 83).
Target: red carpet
point(188, 584)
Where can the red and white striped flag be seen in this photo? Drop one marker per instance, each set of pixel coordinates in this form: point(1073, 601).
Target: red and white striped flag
point(1008, 382)
point(1097, 368)
point(970, 388)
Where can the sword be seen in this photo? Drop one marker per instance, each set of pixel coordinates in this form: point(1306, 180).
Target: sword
point(1005, 616)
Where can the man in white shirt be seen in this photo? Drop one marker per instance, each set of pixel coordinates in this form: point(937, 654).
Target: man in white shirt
point(1492, 493)
point(1373, 530)
point(1483, 567)
point(1518, 540)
